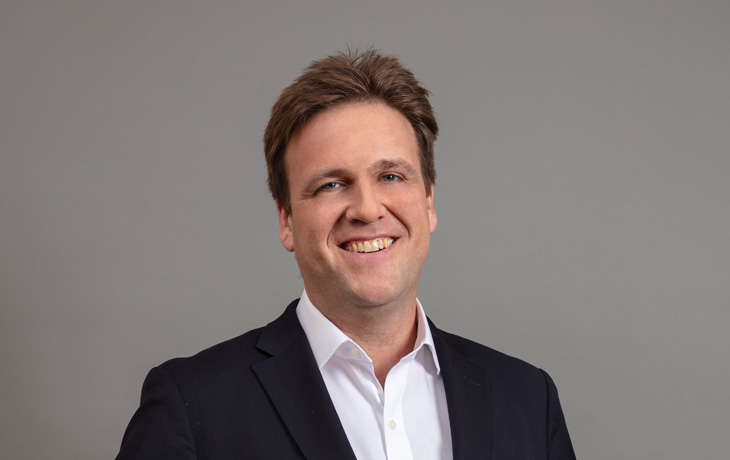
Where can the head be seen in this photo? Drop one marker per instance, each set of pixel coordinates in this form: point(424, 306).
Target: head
point(344, 78)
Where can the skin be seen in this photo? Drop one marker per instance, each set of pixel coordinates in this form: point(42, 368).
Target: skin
point(354, 175)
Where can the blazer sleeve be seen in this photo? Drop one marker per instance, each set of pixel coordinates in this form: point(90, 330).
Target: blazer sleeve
point(559, 446)
point(160, 429)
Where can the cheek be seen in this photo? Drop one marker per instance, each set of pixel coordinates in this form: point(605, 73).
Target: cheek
point(411, 208)
point(314, 228)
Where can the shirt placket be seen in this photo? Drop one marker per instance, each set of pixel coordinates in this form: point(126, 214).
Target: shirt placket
point(394, 429)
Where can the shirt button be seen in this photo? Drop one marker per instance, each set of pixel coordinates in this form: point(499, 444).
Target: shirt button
point(392, 424)
point(356, 353)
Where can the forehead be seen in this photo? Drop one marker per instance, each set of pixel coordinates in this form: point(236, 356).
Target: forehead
point(370, 127)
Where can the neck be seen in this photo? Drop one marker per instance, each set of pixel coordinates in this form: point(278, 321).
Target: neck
point(385, 344)
point(386, 333)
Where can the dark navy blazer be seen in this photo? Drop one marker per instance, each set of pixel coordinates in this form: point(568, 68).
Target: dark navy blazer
point(261, 396)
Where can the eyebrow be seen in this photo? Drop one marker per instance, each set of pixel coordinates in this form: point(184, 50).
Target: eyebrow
point(314, 181)
point(383, 165)
point(398, 165)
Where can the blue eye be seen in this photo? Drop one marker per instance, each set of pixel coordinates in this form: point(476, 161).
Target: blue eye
point(330, 186)
point(390, 178)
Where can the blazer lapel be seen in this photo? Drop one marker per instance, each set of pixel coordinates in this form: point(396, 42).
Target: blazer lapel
point(293, 382)
point(468, 399)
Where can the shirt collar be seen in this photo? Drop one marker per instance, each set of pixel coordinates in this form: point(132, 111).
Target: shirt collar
point(325, 338)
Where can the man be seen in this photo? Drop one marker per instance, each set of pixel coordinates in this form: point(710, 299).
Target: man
point(353, 369)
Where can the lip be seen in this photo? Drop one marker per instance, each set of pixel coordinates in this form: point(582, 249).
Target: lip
point(344, 244)
point(352, 239)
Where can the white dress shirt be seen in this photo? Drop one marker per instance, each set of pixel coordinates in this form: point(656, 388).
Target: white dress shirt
point(406, 420)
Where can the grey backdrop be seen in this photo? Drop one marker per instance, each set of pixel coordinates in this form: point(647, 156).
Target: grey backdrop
point(583, 200)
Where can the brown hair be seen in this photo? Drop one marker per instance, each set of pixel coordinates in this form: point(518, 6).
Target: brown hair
point(350, 76)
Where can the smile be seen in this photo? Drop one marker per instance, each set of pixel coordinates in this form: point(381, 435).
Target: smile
point(368, 245)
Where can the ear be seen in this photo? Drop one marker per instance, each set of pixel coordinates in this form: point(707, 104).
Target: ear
point(432, 220)
point(286, 234)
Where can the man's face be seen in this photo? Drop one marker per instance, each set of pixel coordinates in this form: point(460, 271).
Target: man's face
point(355, 182)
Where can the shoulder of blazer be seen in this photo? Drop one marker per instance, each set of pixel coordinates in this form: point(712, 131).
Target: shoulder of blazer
point(494, 362)
point(240, 352)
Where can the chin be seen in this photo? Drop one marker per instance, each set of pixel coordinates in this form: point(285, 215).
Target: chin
point(367, 298)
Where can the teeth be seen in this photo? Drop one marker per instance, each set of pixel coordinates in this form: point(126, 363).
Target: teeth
point(370, 246)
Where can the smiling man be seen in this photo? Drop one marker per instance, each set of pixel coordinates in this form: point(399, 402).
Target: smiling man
point(353, 369)
point(359, 223)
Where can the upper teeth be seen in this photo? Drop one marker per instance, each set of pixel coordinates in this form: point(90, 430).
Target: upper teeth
point(370, 245)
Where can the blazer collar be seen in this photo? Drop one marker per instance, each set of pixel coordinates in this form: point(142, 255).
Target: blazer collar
point(467, 397)
point(293, 382)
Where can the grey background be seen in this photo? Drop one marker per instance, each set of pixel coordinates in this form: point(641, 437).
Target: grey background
point(582, 194)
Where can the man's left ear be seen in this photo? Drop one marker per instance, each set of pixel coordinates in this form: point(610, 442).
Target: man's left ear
point(286, 235)
point(432, 220)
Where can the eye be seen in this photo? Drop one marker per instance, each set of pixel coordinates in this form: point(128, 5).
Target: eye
point(390, 178)
point(329, 186)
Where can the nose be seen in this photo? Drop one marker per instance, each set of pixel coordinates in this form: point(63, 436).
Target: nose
point(366, 205)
